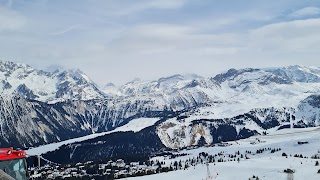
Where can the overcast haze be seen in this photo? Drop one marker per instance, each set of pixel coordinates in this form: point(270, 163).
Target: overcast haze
point(119, 40)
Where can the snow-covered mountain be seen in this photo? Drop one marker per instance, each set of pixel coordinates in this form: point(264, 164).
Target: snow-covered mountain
point(254, 101)
point(173, 92)
point(23, 80)
point(165, 85)
point(309, 110)
point(285, 75)
point(193, 127)
point(188, 129)
point(232, 87)
point(232, 105)
point(25, 122)
point(40, 107)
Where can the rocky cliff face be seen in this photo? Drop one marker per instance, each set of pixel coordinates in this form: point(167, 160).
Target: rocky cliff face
point(26, 123)
point(188, 129)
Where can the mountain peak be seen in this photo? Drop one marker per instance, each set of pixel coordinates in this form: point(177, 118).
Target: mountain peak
point(299, 73)
point(232, 73)
point(110, 84)
point(11, 66)
point(22, 79)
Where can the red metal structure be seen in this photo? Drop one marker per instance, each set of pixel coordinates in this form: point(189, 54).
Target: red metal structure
point(10, 153)
point(13, 163)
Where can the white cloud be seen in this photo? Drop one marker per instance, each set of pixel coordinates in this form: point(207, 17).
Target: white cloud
point(10, 20)
point(165, 4)
point(295, 36)
point(63, 31)
point(307, 11)
point(129, 8)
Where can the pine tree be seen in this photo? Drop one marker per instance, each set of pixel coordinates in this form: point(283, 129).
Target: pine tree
point(175, 164)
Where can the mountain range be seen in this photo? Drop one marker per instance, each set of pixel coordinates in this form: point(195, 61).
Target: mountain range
point(39, 107)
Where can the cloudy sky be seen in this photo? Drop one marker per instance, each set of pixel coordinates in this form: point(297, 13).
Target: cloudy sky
point(119, 40)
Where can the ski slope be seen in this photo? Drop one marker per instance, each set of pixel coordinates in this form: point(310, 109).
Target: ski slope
point(265, 168)
point(269, 166)
point(134, 125)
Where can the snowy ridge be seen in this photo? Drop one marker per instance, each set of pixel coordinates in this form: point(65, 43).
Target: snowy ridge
point(23, 80)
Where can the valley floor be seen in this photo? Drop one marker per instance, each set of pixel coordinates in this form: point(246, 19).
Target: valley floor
point(266, 165)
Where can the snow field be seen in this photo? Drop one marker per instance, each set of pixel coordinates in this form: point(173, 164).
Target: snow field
point(269, 166)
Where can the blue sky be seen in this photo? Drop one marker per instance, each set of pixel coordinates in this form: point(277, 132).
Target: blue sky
point(119, 40)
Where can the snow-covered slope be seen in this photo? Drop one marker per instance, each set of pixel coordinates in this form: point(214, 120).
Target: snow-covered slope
point(309, 110)
point(265, 165)
point(21, 79)
point(135, 125)
point(227, 121)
